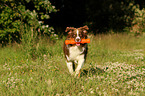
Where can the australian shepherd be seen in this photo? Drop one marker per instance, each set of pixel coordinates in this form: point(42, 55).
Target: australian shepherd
point(75, 53)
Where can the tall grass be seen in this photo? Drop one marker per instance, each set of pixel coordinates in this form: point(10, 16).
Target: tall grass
point(115, 66)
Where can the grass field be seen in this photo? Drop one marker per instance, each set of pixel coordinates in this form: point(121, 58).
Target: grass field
point(115, 66)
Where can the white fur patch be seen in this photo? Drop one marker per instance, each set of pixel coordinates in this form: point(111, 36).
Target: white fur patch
point(78, 37)
point(77, 33)
point(75, 53)
point(70, 67)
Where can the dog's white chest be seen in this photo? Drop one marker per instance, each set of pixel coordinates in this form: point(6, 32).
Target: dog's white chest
point(75, 53)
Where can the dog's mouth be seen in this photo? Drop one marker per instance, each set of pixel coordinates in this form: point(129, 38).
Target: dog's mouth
point(78, 44)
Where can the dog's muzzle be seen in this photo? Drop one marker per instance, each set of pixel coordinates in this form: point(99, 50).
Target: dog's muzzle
point(78, 40)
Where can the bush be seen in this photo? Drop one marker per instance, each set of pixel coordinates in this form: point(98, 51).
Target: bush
point(138, 21)
point(16, 15)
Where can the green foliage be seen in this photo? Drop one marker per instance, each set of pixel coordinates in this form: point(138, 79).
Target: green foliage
point(31, 40)
point(17, 14)
point(138, 20)
point(9, 23)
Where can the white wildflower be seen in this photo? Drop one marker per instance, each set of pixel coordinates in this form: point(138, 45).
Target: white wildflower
point(57, 94)
point(92, 92)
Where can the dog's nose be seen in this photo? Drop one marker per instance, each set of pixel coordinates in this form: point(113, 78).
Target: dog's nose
point(78, 39)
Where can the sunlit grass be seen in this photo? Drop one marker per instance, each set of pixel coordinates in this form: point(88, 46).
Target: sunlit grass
point(115, 66)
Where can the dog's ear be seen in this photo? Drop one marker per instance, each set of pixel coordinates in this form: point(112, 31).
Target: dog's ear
point(84, 29)
point(69, 29)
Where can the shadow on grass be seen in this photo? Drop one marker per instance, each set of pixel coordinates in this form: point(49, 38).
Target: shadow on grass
point(92, 71)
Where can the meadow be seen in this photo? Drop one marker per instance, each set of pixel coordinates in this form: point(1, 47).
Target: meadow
point(115, 66)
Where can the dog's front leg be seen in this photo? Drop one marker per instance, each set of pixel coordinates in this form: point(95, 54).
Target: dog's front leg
point(79, 67)
point(70, 67)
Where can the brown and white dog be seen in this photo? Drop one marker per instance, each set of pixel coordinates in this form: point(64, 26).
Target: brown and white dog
point(76, 53)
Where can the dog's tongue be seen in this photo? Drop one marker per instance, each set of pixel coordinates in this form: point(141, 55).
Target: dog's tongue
point(78, 44)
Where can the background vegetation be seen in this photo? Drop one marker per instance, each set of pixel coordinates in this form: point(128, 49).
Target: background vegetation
point(31, 39)
point(101, 16)
point(41, 16)
point(19, 17)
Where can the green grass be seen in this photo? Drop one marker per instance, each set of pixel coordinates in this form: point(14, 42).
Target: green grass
point(115, 66)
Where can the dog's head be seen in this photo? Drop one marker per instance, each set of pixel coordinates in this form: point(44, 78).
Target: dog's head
point(77, 34)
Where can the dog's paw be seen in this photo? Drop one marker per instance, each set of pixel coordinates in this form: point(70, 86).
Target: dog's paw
point(77, 74)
